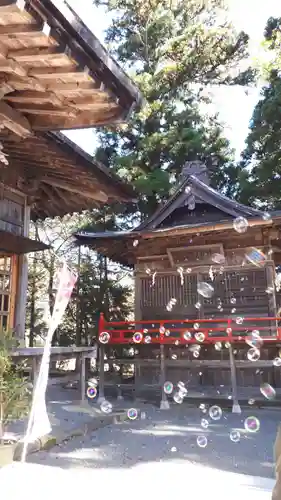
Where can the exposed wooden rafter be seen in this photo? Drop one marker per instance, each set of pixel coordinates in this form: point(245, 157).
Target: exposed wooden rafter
point(98, 195)
point(14, 121)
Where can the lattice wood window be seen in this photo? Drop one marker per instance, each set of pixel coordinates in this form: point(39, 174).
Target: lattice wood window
point(193, 256)
point(7, 290)
point(167, 287)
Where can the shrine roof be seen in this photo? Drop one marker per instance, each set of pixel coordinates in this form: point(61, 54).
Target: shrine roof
point(57, 176)
point(194, 207)
point(55, 74)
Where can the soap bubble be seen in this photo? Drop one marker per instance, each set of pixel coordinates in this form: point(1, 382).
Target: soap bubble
point(135, 243)
point(251, 401)
point(106, 407)
point(215, 412)
point(253, 354)
point(147, 339)
point(218, 258)
point(137, 337)
point(202, 441)
point(187, 335)
point(234, 436)
point(196, 326)
point(240, 224)
point(132, 414)
point(218, 346)
point(93, 382)
point(256, 257)
point(203, 407)
point(239, 320)
point(233, 300)
point(255, 339)
point(252, 424)
point(178, 398)
point(277, 361)
point(267, 391)
point(199, 336)
point(198, 305)
point(204, 423)
point(205, 289)
point(104, 337)
point(162, 330)
point(91, 392)
point(168, 387)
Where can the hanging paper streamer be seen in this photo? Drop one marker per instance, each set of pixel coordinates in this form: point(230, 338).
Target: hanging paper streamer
point(39, 424)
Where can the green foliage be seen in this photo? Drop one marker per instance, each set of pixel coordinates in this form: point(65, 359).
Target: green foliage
point(174, 49)
point(15, 395)
point(261, 181)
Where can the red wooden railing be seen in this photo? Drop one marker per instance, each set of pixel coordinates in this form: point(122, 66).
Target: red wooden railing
point(179, 331)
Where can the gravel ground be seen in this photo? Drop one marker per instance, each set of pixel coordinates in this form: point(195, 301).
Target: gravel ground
point(172, 435)
point(155, 456)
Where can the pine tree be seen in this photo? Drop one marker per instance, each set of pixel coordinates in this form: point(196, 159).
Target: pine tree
point(174, 49)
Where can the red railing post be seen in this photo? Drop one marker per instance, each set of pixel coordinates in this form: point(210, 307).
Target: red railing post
point(101, 324)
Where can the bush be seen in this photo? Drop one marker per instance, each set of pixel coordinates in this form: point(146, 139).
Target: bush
point(15, 395)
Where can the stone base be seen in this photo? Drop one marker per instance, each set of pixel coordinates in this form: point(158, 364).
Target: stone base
point(164, 405)
point(236, 408)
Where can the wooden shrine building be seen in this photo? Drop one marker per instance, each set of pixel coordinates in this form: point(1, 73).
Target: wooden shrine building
point(54, 75)
point(203, 264)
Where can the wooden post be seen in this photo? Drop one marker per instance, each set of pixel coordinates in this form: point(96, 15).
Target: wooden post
point(101, 397)
point(235, 404)
point(164, 404)
point(22, 285)
point(83, 378)
point(35, 369)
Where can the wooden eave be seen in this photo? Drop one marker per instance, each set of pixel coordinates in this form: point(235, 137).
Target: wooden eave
point(57, 176)
point(55, 74)
point(125, 247)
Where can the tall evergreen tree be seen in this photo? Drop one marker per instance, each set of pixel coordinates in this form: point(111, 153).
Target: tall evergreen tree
point(174, 49)
point(261, 178)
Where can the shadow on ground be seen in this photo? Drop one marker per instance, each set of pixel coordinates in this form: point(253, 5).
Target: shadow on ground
point(172, 436)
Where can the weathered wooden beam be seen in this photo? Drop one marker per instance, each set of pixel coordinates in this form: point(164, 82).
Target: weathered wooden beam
point(25, 83)
point(47, 111)
point(12, 67)
point(14, 120)
point(93, 195)
point(19, 29)
point(75, 87)
point(54, 72)
point(30, 96)
point(51, 196)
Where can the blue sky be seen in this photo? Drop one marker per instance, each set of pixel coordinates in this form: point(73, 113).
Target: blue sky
point(233, 104)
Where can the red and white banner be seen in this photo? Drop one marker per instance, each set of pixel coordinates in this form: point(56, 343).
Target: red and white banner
point(39, 424)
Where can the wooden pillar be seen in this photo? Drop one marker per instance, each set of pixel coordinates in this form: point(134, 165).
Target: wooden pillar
point(83, 378)
point(137, 297)
point(164, 404)
point(36, 361)
point(20, 312)
point(235, 404)
point(101, 397)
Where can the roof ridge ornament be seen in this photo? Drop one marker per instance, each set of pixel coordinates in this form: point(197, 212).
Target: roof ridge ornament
point(196, 168)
